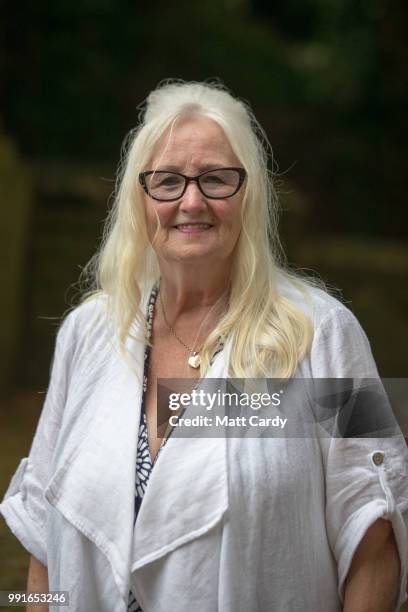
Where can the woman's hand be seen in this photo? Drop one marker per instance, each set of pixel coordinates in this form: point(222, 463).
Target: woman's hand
point(37, 581)
point(373, 579)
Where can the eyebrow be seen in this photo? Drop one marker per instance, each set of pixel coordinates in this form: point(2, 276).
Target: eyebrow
point(203, 168)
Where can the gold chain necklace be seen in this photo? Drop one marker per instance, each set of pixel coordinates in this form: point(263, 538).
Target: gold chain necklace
point(194, 360)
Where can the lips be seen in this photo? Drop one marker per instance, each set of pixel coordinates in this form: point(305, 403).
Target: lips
point(193, 226)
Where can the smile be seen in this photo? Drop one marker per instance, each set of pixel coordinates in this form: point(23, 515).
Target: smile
point(193, 228)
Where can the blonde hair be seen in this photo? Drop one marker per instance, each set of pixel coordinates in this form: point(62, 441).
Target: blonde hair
point(270, 333)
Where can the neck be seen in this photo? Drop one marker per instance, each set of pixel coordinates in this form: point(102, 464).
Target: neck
point(189, 290)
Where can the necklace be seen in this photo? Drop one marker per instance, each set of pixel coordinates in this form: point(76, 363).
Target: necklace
point(194, 360)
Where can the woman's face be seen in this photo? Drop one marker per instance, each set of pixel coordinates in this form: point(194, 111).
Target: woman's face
point(194, 228)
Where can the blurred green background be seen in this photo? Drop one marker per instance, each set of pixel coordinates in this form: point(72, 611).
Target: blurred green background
point(326, 78)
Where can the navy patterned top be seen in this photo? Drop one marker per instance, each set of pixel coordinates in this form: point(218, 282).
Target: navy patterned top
point(144, 463)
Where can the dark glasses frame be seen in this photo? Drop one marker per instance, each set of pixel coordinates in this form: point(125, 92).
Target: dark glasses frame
point(188, 179)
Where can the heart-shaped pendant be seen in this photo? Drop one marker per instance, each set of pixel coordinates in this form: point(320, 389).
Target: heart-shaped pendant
point(194, 360)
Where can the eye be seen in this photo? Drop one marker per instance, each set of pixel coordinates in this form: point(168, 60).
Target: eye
point(170, 181)
point(213, 179)
point(165, 181)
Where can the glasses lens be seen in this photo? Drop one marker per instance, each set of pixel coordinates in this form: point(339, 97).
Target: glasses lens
point(164, 185)
point(219, 183)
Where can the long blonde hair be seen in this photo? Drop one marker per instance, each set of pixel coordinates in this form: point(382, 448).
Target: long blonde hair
point(270, 333)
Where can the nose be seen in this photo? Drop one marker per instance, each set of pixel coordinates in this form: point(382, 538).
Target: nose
point(192, 200)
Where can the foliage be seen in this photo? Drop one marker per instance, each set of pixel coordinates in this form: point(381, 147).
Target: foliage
point(326, 77)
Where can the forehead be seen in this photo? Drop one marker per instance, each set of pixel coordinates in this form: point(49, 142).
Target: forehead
point(193, 141)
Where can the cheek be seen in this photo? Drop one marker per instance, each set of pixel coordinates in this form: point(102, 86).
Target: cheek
point(231, 220)
point(235, 224)
point(157, 219)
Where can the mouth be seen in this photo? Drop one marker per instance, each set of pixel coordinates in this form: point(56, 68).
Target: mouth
point(193, 228)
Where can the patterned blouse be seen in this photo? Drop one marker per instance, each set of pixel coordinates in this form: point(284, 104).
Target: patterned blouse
point(144, 463)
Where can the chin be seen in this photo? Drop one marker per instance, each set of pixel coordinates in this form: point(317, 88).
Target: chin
point(191, 254)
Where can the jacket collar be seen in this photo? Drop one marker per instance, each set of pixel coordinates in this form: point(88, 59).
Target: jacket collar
point(94, 487)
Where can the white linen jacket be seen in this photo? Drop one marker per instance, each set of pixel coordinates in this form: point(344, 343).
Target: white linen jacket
point(226, 524)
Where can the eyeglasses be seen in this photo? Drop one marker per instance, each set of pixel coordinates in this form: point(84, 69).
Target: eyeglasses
point(216, 184)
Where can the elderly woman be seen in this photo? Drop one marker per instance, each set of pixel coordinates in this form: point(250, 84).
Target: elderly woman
point(189, 285)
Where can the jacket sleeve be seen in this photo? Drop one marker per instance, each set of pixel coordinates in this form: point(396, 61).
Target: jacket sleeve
point(24, 506)
point(366, 477)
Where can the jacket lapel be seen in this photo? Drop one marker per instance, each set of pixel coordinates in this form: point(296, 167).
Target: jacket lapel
point(187, 493)
point(93, 486)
